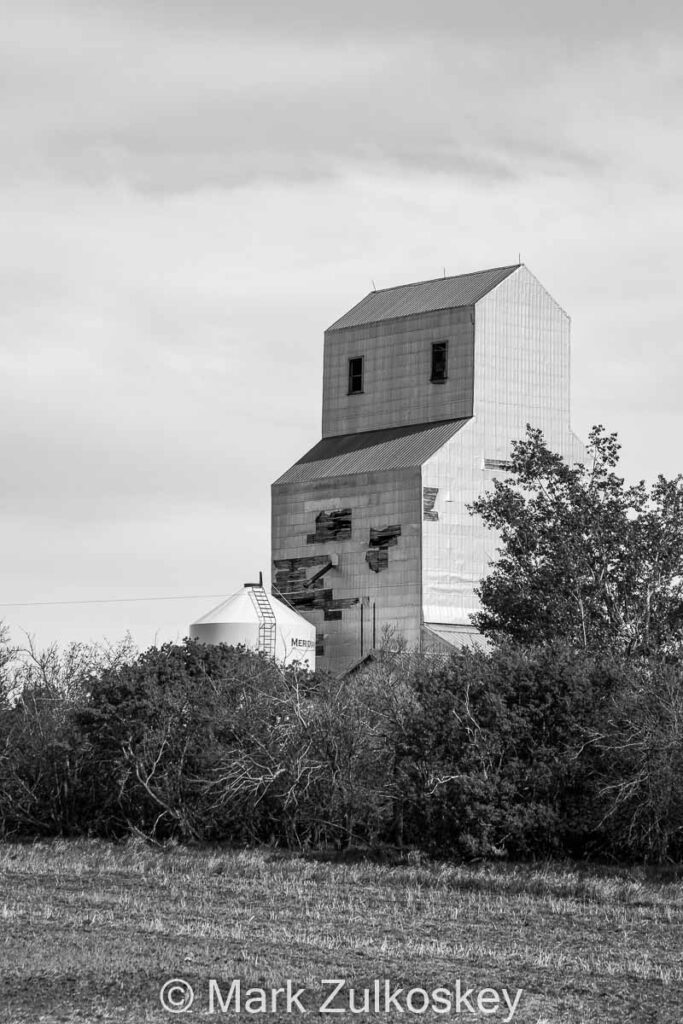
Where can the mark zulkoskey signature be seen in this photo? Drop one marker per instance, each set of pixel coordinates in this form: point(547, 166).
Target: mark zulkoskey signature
point(381, 996)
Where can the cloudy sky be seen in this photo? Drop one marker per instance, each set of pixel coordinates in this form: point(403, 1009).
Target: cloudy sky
point(192, 190)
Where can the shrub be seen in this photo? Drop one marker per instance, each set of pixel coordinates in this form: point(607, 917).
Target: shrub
point(519, 752)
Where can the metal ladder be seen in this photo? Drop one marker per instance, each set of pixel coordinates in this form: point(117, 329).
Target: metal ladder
point(267, 621)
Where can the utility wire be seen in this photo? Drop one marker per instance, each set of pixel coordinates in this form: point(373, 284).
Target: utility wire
point(107, 600)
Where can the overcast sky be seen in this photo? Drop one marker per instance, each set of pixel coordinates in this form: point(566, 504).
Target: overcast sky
point(191, 191)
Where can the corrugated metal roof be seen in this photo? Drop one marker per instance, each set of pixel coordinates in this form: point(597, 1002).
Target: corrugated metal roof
point(371, 451)
point(423, 297)
point(457, 636)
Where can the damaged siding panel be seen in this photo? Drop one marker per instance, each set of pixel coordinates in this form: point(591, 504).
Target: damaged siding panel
point(312, 598)
point(386, 537)
point(377, 559)
point(296, 563)
point(296, 590)
point(291, 574)
point(376, 500)
point(291, 580)
point(331, 525)
point(429, 496)
point(377, 555)
point(336, 604)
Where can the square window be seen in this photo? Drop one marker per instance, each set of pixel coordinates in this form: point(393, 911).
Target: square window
point(356, 375)
point(439, 362)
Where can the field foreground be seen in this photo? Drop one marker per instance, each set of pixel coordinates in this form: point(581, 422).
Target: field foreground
point(91, 932)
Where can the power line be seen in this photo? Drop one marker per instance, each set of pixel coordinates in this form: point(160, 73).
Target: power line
point(107, 600)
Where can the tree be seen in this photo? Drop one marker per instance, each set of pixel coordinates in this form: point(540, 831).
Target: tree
point(492, 750)
point(160, 731)
point(43, 755)
point(7, 655)
point(636, 749)
point(215, 742)
point(583, 557)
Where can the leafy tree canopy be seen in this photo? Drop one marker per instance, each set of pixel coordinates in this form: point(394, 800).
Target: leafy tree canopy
point(583, 557)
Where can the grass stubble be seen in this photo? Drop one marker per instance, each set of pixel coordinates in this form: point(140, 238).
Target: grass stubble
point(89, 931)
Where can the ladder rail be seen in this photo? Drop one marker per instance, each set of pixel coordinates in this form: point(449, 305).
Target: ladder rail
point(267, 630)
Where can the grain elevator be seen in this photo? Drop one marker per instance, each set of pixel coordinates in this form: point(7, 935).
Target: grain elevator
point(425, 386)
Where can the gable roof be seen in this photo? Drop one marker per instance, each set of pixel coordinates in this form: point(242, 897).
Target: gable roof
point(453, 635)
point(371, 451)
point(423, 297)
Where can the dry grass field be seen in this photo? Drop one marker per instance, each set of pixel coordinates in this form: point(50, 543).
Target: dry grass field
point(90, 932)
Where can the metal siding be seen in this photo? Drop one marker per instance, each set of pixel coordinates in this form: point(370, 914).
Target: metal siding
point(422, 297)
point(522, 364)
point(381, 448)
point(394, 498)
point(398, 390)
point(521, 376)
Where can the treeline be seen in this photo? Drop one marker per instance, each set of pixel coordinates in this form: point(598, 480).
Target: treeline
point(519, 752)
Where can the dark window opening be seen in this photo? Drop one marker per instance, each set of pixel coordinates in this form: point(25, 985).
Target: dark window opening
point(439, 361)
point(356, 375)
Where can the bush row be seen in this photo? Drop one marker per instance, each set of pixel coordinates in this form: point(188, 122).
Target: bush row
point(517, 752)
